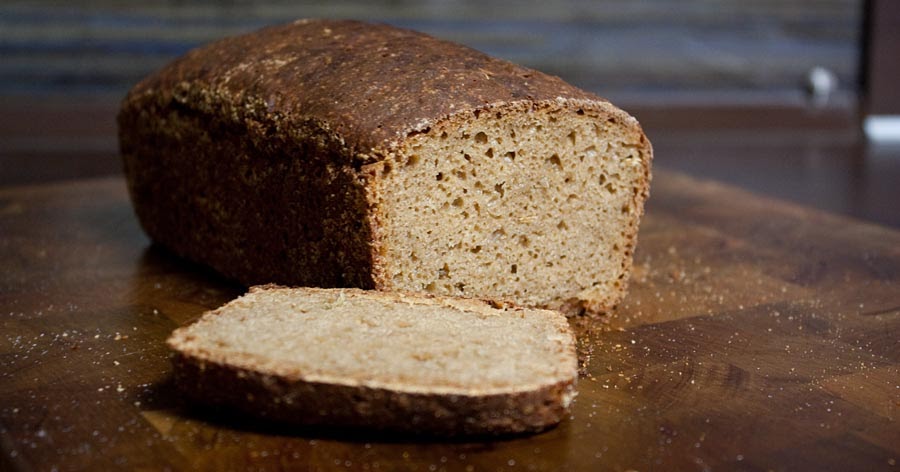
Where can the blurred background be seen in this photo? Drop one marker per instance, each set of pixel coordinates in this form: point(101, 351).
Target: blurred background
point(770, 95)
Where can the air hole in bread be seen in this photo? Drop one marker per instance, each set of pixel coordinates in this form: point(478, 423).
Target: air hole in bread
point(554, 160)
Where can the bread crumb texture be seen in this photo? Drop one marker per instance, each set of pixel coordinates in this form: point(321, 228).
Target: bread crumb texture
point(400, 342)
point(538, 203)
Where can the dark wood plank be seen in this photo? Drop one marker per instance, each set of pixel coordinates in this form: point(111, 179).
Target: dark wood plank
point(757, 335)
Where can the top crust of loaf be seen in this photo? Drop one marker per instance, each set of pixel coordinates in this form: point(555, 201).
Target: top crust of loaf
point(359, 87)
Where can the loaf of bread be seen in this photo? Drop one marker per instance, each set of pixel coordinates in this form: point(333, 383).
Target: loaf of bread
point(345, 154)
point(380, 360)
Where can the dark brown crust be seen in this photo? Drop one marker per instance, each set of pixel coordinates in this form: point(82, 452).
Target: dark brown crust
point(304, 403)
point(254, 204)
point(371, 85)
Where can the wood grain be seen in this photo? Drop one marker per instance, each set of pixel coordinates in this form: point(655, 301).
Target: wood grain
point(757, 335)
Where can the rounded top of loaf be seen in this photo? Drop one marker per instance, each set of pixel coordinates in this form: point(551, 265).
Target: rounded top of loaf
point(367, 86)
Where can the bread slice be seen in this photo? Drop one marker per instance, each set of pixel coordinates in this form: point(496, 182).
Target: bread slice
point(385, 361)
point(381, 158)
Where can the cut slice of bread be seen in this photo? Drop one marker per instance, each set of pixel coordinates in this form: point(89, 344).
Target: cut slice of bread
point(382, 361)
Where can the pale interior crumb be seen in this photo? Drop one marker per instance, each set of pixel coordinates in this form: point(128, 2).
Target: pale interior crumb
point(341, 336)
point(533, 206)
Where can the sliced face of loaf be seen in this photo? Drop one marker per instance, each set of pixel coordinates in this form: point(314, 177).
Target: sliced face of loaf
point(533, 202)
point(381, 361)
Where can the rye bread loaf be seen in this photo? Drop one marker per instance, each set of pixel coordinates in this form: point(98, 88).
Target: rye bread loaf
point(380, 360)
point(345, 154)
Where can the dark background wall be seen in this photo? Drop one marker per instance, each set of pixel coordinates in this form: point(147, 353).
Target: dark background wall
point(658, 50)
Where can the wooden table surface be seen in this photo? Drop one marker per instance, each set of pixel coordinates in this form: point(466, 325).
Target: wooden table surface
point(757, 335)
